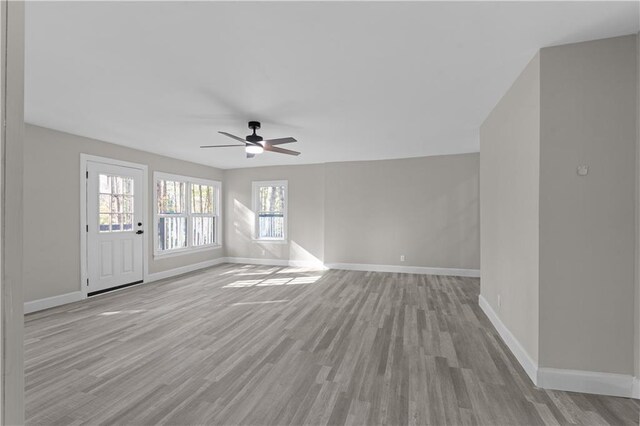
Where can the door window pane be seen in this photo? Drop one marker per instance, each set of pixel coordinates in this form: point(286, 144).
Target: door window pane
point(116, 222)
point(127, 204)
point(128, 187)
point(105, 222)
point(127, 222)
point(105, 184)
point(105, 203)
point(116, 204)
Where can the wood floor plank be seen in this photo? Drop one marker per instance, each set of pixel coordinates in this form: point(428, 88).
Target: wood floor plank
point(246, 344)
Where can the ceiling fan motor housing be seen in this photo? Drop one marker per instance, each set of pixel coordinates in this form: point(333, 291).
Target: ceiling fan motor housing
point(254, 138)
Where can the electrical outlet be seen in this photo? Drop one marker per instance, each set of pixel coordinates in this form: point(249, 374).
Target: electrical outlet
point(402, 258)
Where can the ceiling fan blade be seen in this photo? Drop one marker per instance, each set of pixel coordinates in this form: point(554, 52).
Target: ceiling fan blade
point(250, 155)
point(233, 137)
point(280, 150)
point(219, 146)
point(279, 141)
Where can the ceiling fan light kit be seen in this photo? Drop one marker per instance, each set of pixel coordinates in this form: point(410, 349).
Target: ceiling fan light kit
point(254, 149)
point(255, 144)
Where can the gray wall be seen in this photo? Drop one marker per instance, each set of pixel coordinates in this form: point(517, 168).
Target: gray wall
point(367, 212)
point(509, 184)
point(52, 191)
point(426, 209)
point(582, 278)
point(305, 213)
point(430, 213)
point(588, 116)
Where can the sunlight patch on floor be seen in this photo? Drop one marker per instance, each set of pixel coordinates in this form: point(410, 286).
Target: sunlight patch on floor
point(133, 311)
point(273, 282)
point(264, 302)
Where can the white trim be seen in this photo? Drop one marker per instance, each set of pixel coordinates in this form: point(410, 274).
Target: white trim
point(528, 364)
point(405, 269)
point(587, 382)
point(254, 204)
point(276, 262)
point(156, 276)
point(357, 266)
point(51, 302)
point(565, 380)
point(84, 159)
point(187, 180)
point(180, 252)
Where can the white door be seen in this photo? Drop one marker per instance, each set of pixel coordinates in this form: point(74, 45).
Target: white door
point(114, 226)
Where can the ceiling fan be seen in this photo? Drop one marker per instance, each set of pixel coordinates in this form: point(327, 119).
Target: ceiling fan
point(255, 144)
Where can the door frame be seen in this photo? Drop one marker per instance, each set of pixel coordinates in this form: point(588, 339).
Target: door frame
point(84, 257)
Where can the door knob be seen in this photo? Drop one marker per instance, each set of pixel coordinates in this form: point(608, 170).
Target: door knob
point(140, 232)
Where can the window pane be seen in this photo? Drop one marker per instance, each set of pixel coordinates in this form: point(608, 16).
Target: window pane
point(105, 184)
point(104, 222)
point(127, 204)
point(172, 233)
point(203, 230)
point(116, 222)
point(116, 185)
point(116, 204)
point(105, 203)
point(127, 222)
point(201, 199)
point(270, 225)
point(128, 186)
point(271, 199)
point(171, 197)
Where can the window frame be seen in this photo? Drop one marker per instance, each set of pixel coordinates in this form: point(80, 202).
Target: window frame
point(255, 193)
point(189, 215)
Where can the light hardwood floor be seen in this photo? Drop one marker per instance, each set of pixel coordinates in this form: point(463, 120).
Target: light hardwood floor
point(263, 345)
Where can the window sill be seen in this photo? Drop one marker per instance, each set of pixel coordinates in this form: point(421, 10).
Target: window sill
point(260, 240)
point(180, 252)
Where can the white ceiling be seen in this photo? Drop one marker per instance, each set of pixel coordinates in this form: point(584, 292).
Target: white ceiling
point(350, 81)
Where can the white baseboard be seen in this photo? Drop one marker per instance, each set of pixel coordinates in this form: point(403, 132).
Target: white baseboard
point(357, 267)
point(183, 270)
point(63, 299)
point(587, 382)
point(52, 302)
point(523, 357)
point(405, 269)
point(276, 262)
point(560, 379)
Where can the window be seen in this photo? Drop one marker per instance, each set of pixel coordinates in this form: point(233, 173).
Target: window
point(186, 213)
point(270, 208)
